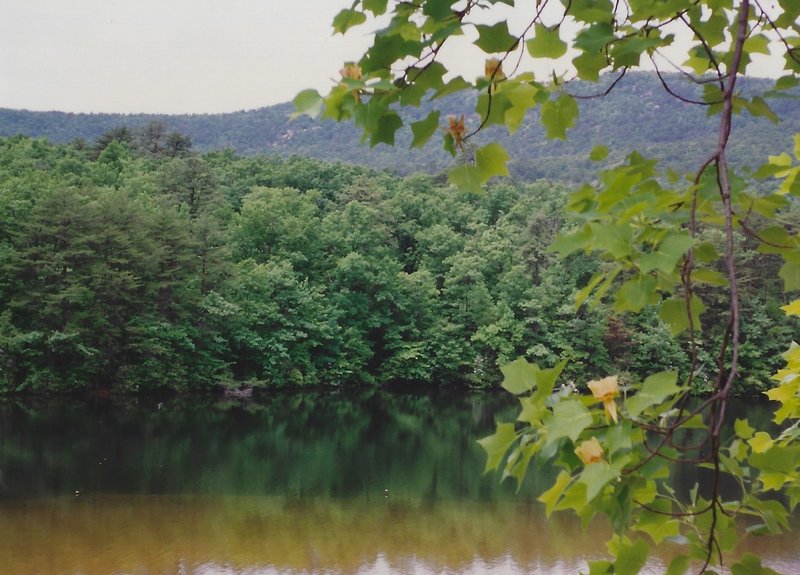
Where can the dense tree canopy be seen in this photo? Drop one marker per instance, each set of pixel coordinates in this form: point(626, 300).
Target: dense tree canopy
point(195, 272)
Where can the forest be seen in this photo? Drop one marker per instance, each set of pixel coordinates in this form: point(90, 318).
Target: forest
point(134, 263)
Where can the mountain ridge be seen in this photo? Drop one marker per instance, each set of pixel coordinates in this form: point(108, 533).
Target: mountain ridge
point(639, 114)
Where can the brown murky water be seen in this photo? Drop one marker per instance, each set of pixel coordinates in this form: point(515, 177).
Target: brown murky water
point(295, 485)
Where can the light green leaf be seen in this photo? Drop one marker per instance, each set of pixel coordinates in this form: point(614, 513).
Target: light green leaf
point(346, 19)
point(759, 107)
point(559, 115)
point(655, 389)
point(590, 11)
point(596, 476)
point(589, 66)
point(636, 293)
point(669, 252)
point(792, 308)
point(673, 312)
point(377, 7)
point(709, 277)
point(616, 239)
point(569, 419)
point(760, 442)
point(551, 497)
point(600, 567)
point(519, 376)
point(599, 153)
point(457, 84)
point(424, 129)
point(678, 565)
point(495, 38)
point(568, 242)
point(466, 178)
point(790, 273)
point(491, 161)
point(546, 43)
point(657, 522)
point(497, 444)
point(743, 429)
point(750, 564)
point(308, 103)
point(631, 556)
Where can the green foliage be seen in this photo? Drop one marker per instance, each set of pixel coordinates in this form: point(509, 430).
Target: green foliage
point(679, 248)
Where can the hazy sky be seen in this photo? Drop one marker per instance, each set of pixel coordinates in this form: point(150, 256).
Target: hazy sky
point(166, 55)
point(184, 56)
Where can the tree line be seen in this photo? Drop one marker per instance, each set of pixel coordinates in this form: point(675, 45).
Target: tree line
point(629, 118)
point(136, 264)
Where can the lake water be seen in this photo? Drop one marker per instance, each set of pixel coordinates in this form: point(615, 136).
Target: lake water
point(359, 483)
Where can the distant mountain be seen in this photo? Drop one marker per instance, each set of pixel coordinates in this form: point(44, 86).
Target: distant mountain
point(639, 114)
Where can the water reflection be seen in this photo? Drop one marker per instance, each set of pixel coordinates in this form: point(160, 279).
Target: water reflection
point(292, 485)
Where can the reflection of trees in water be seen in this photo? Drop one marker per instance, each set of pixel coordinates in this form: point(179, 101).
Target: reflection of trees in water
point(309, 444)
point(293, 481)
point(348, 444)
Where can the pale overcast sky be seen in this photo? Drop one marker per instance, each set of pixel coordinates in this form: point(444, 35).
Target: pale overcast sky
point(168, 56)
point(180, 56)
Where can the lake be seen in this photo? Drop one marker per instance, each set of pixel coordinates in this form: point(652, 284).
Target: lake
point(362, 482)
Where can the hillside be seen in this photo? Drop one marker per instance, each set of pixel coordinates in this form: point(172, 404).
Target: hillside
point(638, 114)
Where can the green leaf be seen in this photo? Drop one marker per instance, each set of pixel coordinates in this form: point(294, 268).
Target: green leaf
point(750, 564)
point(497, 444)
point(596, 476)
point(631, 557)
point(569, 419)
point(628, 52)
point(760, 442)
point(438, 9)
point(559, 115)
point(616, 239)
point(546, 43)
point(595, 38)
point(655, 389)
point(589, 65)
point(551, 497)
point(599, 153)
point(424, 129)
point(743, 429)
point(308, 103)
point(790, 273)
point(519, 376)
point(705, 252)
point(457, 84)
point(346, 19)
point(673, 312)
point(669, 252)
point(568, 242)
point(709, 277)
point(495, 38)
point(678, 565)
point(636, 293)
point(759, 107)
point(384, 133)
point(657, 522)
point(590, 11)
point(491, 161)
point(377, 7)
point(466, 178)
point(600, 567)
